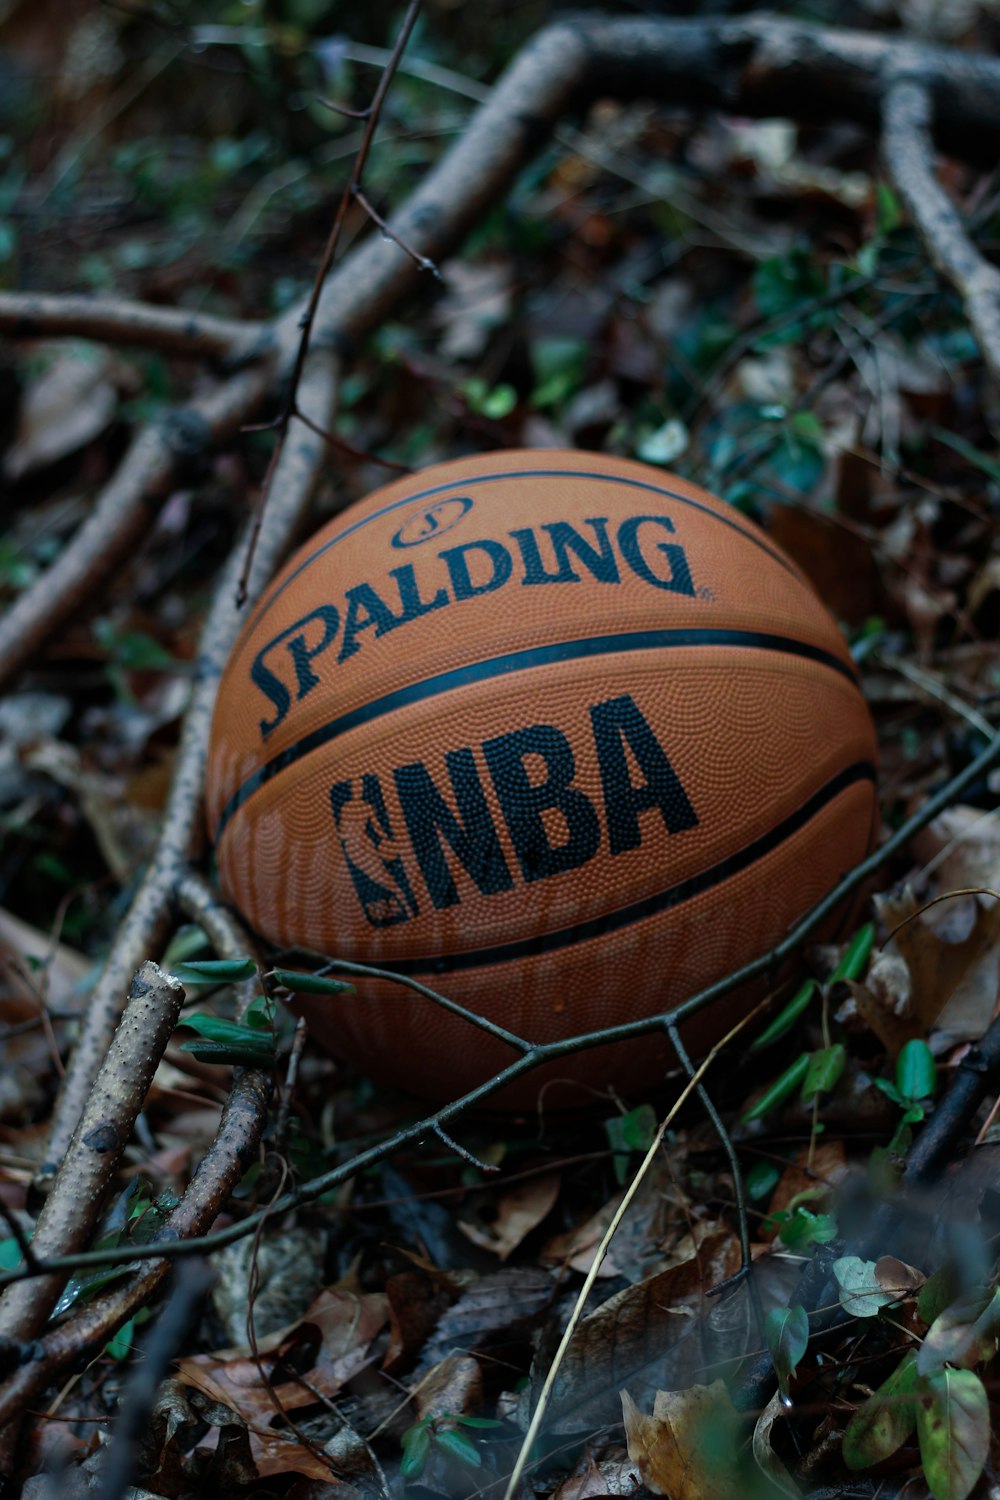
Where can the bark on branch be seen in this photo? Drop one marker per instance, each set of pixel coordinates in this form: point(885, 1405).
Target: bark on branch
point(69, 1213)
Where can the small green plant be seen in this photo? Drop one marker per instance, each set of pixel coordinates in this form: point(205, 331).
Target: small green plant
point(934, 1392)
point(448, 1434)
point(629, 1133)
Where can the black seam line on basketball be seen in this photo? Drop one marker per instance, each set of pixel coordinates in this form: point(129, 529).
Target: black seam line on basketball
point(519, 661)
point(638, 911)
point(464, 484)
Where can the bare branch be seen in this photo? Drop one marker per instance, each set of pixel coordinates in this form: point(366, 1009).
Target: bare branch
point(113, 320)
point(909, 153)
point(77, 1197)
point(229, 1156)
point(148, 919)
point(121, 516)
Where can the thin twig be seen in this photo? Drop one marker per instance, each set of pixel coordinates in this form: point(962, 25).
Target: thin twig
point(307, 318)
point(535, 1425)
point(422, 262)
point(460, 1150)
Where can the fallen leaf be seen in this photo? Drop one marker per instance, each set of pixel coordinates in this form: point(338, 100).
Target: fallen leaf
point(518, 1211)
point(897, 1277)
point(954, 983)
point(504, 1302)
point(68, 403)
point(614, 1474)
point(646, 1338)
point(455, 1386)
point(764, 1455)
point(687, 1449)
point(827, 1170)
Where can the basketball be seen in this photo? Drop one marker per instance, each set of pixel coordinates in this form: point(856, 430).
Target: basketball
point(562, 736)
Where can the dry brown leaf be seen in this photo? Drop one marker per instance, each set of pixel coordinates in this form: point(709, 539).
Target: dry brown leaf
point(454, 1386)
point(347, 1323)
point(897, 1277)
point(614, 1474)
point(827, 1170)
point(55, 969)
point(647, 1337)
point(415, 1305)
point(66, 405)
point(518, 1211)
point(494, 1304)
point(766, 1458)
point(687, 1447)
point(653, 1235)
point(274, 1453)
point(954, 983)
point(578, 1246)
point(883, 1001)
point(963, 847)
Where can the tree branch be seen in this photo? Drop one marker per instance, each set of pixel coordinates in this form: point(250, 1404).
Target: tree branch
point(122, 514)
point(909, 153)
point(225, 1162)
point(92, 1156)
point(113, 320)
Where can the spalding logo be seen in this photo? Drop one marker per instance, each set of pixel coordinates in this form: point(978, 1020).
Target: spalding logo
point(286, 669)
point(396, 857)
point(431, 521)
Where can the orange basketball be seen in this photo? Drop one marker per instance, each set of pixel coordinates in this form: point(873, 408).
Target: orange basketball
point(559, 734)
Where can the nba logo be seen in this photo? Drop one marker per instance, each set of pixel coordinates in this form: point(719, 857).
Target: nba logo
point(380, 880)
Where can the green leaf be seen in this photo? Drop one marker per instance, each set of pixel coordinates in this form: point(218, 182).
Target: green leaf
point(10, 1254)
point(259, 1014)
point(965, 1333)
point(825, 1068)
point(937, 1293)
point(884, 1422)
point(916, 1071)
point(803, 1228)
point(496, 402)
point(781, 1089)
point(310, 984)
point(890, 1091)
point(823, 1071)
point(119, 1346)
point(888, 213)
point(786, 1017)
point(479, 1421)
point(217, 1029)
point(236, 1055)
point(215, 970)
point(861, 1293)
point(787, 1332)
point(953, 1428)
point(854, 960)
point(416, 1446)
point(458, 1445)
point(761, 1180)
point(559, 364)
point(639, 1127)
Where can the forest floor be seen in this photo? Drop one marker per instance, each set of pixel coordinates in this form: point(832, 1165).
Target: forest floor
point(743, 302)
